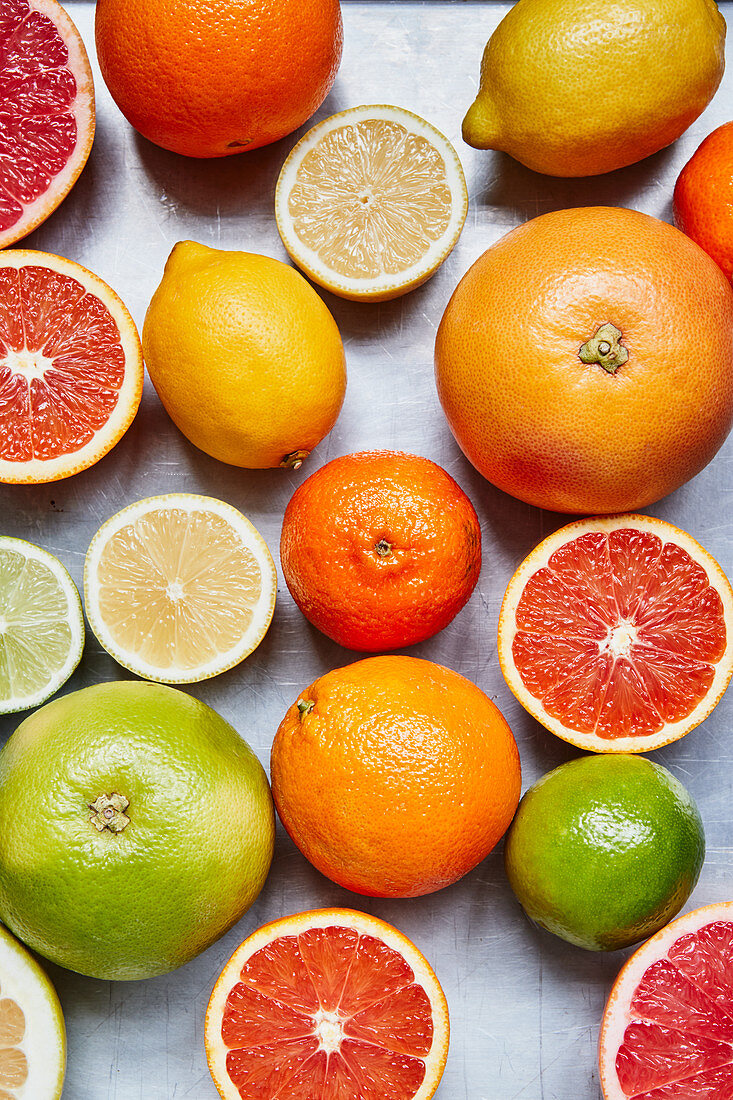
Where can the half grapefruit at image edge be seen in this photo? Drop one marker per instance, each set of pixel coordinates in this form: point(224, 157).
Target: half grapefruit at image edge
point(615, 633)
point(332, 1003)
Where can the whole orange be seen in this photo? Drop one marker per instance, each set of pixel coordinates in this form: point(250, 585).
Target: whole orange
point(585, 361)
point(380, 549)
point(209, 78)
point(703, 197)
point(394, 776)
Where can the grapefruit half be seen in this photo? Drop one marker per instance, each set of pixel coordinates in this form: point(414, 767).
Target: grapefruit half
point(46, 112)
point(616, 633)
point(332, 1004)
point(667, 1031)
point(71, 367)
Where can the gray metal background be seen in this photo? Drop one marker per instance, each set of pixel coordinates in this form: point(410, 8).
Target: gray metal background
point(525, 1007)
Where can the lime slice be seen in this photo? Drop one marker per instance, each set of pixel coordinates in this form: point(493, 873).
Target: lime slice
point(41, 625)
point(179, 588)
point(32, 1032)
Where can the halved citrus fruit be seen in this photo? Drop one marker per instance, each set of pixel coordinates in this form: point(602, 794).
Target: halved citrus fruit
point(667, 1031)
point(71, 367)
point(332, 1004)
point(370, 202)
point(616, 633)
point(41, 625)
point(32, 1031)
point(179, 588)
point(46, 112)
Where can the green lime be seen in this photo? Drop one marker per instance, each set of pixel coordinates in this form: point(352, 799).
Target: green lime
point(604, 850)
point(136, 827)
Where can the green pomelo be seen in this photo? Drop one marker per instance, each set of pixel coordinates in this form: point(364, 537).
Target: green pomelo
point(194, 844)
point(605, 850)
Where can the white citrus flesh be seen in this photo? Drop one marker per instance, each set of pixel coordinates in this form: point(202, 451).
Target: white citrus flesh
point(32, 1032)
point(71, 367)
point(633, 638)
point(371, 201)
point(680, 1003)
point(179, 588)
point(328, 1029)
point(41, 625)
point(42, 160)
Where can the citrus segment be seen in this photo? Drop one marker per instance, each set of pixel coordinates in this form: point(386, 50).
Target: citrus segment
point(46, 112)
point(179, 587)
point(667, 1031)
point(333, 1004)
point(70, 367)
point(371, 201)
point(616, 633)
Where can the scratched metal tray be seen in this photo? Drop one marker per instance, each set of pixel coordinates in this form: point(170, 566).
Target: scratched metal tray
point(525, 1007)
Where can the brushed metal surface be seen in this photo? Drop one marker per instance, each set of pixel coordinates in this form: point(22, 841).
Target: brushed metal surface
point(525, 1007)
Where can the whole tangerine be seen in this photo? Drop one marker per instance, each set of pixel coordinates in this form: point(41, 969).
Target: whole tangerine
point(703, 197)
point(380, 549)
point(394, 776)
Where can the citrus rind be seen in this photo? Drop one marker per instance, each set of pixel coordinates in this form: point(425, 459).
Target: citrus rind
point(539, 557)
point(384, 286)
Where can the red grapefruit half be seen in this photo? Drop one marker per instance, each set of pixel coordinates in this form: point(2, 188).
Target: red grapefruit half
point(71, 367)
point(332, 1004)
point(616, 633)
point(46, 112)
point(667, 1032)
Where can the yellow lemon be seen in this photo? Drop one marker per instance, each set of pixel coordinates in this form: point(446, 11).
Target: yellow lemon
point(245, 356)
point(583, 87)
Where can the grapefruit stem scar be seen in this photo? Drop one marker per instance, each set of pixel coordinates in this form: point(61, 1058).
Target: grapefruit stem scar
point(605, 348)
point(109, 813)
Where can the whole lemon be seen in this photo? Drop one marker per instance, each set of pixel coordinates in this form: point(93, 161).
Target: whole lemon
point(576, 89)
point(245, 356)
point(136, 827)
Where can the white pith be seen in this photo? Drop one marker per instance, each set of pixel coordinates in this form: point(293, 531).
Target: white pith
point(130, 392)
point(384, 285)
point(617, 1016)
point(324, 918)
point(619, 639)
point(248, 536)
point(74, 620)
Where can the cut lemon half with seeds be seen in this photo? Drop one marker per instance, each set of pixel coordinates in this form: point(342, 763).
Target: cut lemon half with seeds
point(41, 625)
point(179, 588)
point(32, 1032)
point(370, 202)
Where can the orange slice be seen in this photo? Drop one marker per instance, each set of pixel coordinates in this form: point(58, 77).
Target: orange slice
point(332, 1004)
point(667, 1031)
point(616, 633)
point(46, 112)
point(71, 367)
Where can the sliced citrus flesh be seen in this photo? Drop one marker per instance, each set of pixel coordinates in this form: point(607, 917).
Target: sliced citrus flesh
point(41, 625)
point(667, 1031)
point(179, 588)
point(616, 633)
point(371, 201)
point(71, 368)
point(46, 112)
point(332, 1004)
point(32, 1031)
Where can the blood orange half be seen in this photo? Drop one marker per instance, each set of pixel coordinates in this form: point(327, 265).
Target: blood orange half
point(331, 1004)
point(46, 112)
point(71, 367)
point(616, 633)
point(667, 1032)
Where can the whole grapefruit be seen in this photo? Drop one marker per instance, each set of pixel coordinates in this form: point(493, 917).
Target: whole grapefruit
point(585, 361)
point(209, 78)
point(136, 827)
point(703, 197)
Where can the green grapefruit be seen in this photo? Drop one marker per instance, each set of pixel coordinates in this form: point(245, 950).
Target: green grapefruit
point(605, 850)
point(136, 827)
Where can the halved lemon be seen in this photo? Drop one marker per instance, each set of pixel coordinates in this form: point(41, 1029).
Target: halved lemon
point(371, 201)
point(41, 625)
point(32, 1032)
point(179, 588)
